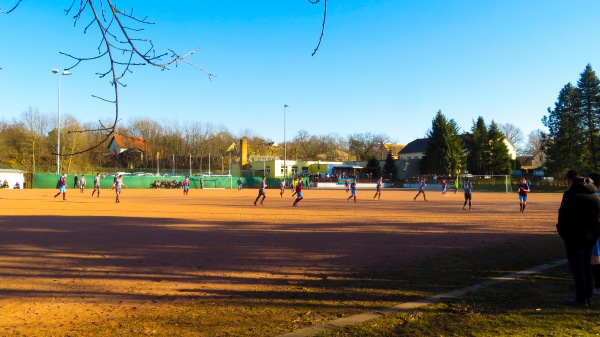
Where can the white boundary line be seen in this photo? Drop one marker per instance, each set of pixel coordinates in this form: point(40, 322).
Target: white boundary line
point(343, 322)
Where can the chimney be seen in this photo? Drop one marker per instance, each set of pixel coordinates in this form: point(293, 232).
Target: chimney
point(243, 153)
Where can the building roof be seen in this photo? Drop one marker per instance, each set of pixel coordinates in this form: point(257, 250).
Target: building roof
point(525, 160)
point(129, 142)
point(394, 149)
point(416, 146)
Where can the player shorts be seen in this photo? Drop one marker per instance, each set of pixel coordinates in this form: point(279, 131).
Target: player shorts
point(299, 195)
point(443, 189)
point(523, 198)
point(261, 192)
point(353, 192)
point(186, 188)
point(62, 189)
point(467, 196)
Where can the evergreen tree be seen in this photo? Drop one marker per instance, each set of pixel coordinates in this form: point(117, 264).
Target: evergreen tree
point(478, 157)
point(588, 90)
point(500, 161)
point(390, 168)
point(444, 151)
point(373, 167)
point(564, 142)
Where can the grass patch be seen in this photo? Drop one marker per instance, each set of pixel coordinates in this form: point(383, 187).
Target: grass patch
point(527, 307)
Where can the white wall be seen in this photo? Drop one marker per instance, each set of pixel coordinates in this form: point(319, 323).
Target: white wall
point(12, 178)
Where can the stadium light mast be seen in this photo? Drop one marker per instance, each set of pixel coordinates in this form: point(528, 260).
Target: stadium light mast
point(59, 74)
point(285, 106)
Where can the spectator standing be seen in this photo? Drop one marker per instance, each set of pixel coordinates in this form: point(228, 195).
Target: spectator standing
point(577, 225)
point(595, 262)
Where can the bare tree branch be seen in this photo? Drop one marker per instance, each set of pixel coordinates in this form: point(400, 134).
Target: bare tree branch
point(12, 9)
point(322, 25)
point(116, 37)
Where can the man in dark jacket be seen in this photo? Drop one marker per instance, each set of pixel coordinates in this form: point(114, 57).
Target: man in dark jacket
point(578, 220)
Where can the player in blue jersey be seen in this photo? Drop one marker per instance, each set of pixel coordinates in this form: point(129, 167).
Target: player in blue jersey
point(422, 185)
point(352, 191)
point(523, 190)
point(467, 187)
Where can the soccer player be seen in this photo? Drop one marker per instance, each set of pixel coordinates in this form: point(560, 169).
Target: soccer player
point(347, 184)
point(467, 187)
point(294, 184)
point(422, 185)
point(186, 185)
point(378, 191)
point(239, 182)
point(281, 187)
point(62, 186)
point(444, 186)
point(82, 183)
point(117, 186)
point(261, 191)
point(298, 193)
point(96, 185)
point(523, 189)
point(352, 190)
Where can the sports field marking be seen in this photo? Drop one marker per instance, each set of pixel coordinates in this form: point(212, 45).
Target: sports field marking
point(366, 316)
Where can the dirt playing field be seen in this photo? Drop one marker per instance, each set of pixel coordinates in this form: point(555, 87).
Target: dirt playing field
point(88, 259)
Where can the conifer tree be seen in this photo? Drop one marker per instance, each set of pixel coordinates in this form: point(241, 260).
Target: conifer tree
point(564, 142)
point(389, 167)
point(444, 152)
point(478, 157)
point(500, 161)
point(588, 90)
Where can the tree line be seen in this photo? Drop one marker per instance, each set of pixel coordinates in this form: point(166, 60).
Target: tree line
point(482, 151)
point(30, 142)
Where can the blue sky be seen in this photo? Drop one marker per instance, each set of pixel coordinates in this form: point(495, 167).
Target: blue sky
point(383, 66)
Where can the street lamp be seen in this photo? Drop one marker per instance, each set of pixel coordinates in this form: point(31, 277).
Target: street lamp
point(285, 106)
point(55, 71)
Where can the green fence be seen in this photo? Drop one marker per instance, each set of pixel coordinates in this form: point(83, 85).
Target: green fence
point(41, 180)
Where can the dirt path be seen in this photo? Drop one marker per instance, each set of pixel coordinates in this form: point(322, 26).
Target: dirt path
point(88, 259)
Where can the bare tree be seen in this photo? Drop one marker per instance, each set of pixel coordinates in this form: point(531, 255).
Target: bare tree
point(512, 133)
point(534, 144)
point(36, 127)
point(123, 49)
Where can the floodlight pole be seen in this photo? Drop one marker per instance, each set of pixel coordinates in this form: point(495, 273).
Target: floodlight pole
point(285, 106)
point(58, 74)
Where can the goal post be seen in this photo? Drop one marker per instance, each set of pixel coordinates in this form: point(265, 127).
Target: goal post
point(487, 182)
point(216, 181)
